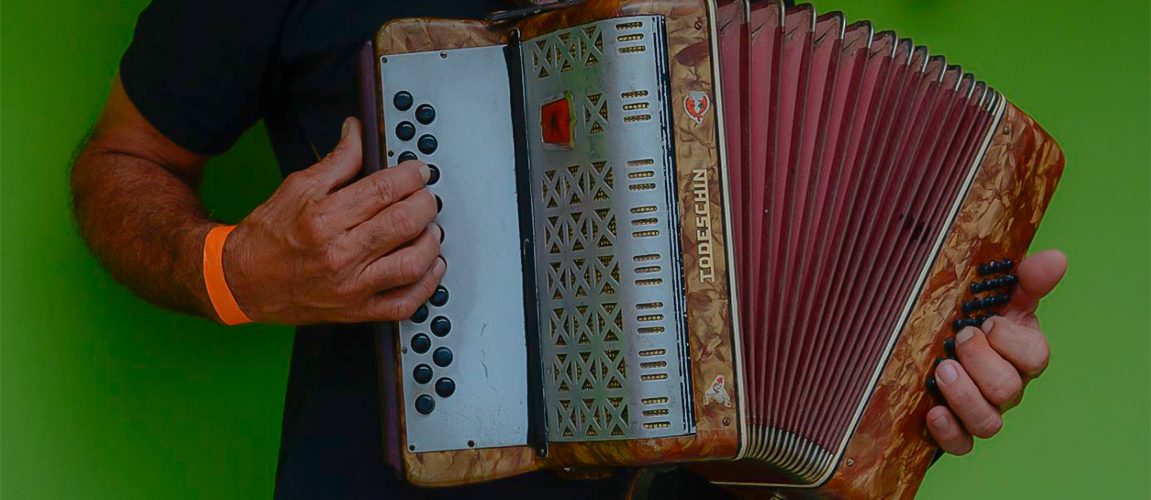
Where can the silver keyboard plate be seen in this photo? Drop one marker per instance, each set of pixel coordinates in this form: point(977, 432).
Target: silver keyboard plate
point(470, 92)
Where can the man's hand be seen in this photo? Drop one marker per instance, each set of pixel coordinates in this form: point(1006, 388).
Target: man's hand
point(996, 361)
point(322, 250)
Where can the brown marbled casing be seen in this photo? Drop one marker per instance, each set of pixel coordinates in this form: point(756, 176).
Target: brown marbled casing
point(890, 450)
point(700, 190)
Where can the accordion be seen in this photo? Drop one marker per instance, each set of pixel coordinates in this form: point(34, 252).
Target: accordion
point(725, 233)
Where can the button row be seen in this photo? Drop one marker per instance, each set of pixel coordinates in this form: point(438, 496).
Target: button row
point(986, 302)
point(993, 284)
point(995, 267)
point(403, 100)
point(444, 388)
point(421, 343)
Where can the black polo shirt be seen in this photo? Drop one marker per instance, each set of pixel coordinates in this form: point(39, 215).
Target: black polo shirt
point(203, 72)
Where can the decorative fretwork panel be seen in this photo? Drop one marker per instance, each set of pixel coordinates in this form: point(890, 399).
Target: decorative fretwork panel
point(612, 338)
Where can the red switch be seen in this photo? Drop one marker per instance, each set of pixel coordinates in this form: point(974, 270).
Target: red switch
point(556, 121)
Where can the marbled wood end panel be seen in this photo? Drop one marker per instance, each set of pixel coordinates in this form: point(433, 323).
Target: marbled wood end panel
point(448, 468)
point(708, 300)
point(891, 450)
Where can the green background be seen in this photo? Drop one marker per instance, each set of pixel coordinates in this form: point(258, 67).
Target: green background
point(105, 396)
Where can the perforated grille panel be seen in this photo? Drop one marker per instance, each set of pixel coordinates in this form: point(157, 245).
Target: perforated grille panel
point(614, 343)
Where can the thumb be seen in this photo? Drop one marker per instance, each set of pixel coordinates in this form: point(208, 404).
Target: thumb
point(343, 163)
point(1038, 275)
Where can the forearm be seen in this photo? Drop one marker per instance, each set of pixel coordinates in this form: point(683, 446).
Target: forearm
point(145, 224)
point(324, 247)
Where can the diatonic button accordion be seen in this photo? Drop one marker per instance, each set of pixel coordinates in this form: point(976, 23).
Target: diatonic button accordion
point(729, 233)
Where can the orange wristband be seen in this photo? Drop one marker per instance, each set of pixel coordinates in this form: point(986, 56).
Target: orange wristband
point(218, 292)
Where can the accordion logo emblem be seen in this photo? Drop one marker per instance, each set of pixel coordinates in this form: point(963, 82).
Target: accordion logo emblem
point(717, 393)
point(696, 104)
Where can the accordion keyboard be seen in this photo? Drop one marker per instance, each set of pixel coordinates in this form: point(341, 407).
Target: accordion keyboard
point(463, 355)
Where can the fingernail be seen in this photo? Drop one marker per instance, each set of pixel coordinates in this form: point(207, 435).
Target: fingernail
point(344, 129)
point(988, 324)
point(437, 231)
point(939, 422)
point(946, 373)
point(964, 335)
point(441, 264)
point(425, 172)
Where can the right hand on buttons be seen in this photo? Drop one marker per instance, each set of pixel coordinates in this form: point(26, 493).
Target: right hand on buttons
point(324, 249)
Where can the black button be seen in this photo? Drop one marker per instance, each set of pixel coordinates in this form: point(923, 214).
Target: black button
point(976, 287)
point(1010, 279)
point(932, 385)
point(421, 343)
point(949, 347)
point(971, 306)
point(985, 269)
point(427, 144)
point(407, 155)
point(402, 100)
point(421, 314)
point(405, 131)
point(445, 387)
point(1006, 264)
point(422, 373)
point(439, 204)
point(439, 297)
point(442, 357)
point(425, 113)
point(441, 326)
point(435, 175)
point(425, 404)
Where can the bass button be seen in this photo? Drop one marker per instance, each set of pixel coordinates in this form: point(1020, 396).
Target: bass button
point(402, 100)
point(425, 404)
point(445, 387)
point(422, 373)
point(425, 114)
point(442, 357)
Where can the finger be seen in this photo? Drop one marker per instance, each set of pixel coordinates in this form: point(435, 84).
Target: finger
point(406, 265)
point(400, 303)
point(977, 415)
point(1038, 274)
point(996, 378)
point(947, 431)
point(343, 163)
point(1025, 348)
point(360, 200)
point(398, 224)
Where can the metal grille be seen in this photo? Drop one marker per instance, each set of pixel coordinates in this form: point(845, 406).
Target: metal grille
point(614, 345)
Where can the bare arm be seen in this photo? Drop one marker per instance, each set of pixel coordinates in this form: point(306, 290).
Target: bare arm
point(134, 198)
point(321, 249)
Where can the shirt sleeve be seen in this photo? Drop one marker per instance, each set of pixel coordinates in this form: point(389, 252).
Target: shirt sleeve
point(199, 71)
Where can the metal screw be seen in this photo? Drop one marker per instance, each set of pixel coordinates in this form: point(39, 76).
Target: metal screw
point(851, 462)
point(383, 60)
point(726, 421)
point(403, 350)
point(443, 54)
